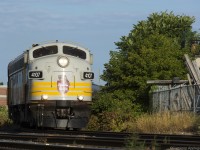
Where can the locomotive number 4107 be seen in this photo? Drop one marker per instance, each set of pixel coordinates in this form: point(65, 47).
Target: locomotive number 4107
point(35, 74)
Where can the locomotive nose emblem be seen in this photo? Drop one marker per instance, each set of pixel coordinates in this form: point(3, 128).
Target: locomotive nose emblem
point(63, 84)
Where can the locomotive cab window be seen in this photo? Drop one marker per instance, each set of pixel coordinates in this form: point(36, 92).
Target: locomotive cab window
point(43, 51)
point(74, 52)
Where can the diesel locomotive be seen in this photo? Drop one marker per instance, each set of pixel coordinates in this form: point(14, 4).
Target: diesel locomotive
point(50, 85)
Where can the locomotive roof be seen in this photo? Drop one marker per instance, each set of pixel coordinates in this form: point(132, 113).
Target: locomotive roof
point(17, 58)
point(69, 43)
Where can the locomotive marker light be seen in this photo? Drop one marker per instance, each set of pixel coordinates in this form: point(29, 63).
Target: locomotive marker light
point(80, 98)
point(63, 61)
point(44, 97)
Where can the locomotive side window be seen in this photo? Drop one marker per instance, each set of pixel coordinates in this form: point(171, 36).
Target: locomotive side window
point(74, 52)
point(43, 51)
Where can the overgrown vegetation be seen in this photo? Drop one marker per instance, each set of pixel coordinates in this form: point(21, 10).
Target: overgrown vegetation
point(162, 123)
point(4, 119)
point(133, 143)
point(166, 122)
point(113, 112)
point(152, 50)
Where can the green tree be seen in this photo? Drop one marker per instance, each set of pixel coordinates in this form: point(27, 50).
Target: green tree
point(153, 50)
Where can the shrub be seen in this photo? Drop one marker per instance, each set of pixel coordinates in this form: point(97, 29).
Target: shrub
point(109, 121)
point(93, 124)
point(112, 112)
point(115, 102)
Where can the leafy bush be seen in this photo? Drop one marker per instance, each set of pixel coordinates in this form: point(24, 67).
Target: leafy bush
point(113, 112)
point(116, 101)
point(109, 121)
point(93, 124)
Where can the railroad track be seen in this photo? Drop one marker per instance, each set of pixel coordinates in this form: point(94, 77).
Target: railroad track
point(167, 141)
point(60, 139)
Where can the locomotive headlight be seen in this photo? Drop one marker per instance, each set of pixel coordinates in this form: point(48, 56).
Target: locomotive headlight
point(44, 97)
point(80, 98)
point(63, 61)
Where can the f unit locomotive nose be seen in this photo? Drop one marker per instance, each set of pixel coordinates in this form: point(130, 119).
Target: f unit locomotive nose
point(52, 84)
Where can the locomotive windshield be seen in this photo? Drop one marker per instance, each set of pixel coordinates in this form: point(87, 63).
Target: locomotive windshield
point(43, 51)
point(74, 52)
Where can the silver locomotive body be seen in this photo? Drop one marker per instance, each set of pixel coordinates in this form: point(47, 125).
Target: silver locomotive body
point(50, 85)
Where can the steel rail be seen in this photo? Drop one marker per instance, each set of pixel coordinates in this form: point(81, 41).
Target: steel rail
point(101, 139)
point(21, 145)
point(98, 142)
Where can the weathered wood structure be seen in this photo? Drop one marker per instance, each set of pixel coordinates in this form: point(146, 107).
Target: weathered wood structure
point(178, 95)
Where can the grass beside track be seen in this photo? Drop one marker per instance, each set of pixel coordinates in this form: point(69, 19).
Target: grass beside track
point(4, 118)
point(163, 123)
point(168, 122)
point(158, 123)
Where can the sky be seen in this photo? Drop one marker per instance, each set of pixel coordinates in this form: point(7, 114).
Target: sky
point(96, 24)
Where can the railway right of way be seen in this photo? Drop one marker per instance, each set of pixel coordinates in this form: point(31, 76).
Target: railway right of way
point(61, 139)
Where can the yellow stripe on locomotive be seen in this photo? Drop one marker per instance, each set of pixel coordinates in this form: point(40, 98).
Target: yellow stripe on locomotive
point(51, 89)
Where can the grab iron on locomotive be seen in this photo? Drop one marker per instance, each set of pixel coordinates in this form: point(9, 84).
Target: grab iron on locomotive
point(50, 85)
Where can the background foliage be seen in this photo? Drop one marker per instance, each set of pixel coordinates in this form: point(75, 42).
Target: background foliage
point(153, 49)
